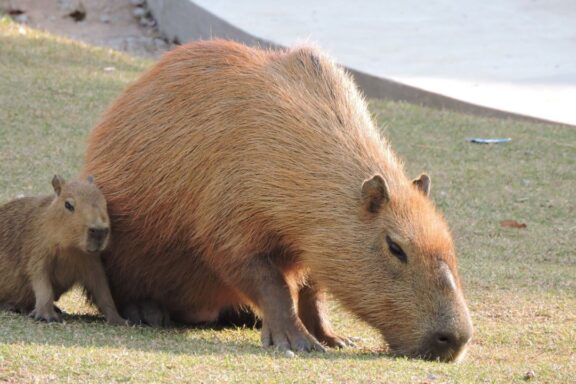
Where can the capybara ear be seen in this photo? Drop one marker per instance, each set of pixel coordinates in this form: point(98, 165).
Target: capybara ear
point(374, 193)
point(423, 183)
point(306, 56)
point(90, 179)
point(58, 182)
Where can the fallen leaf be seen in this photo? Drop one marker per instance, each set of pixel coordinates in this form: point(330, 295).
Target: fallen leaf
point(512, 224)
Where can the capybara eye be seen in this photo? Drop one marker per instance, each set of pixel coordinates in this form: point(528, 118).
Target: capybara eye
point(396, 250)
point(69, 206)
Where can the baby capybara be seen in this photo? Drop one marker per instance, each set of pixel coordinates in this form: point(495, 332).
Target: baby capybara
point(47, 244)
point(237, 176)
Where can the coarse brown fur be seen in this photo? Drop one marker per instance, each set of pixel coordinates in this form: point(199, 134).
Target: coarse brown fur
point(238, 176)
point(47, 244)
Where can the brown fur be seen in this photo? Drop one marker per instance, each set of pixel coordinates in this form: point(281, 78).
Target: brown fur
point(240, 176)
point(47, 244)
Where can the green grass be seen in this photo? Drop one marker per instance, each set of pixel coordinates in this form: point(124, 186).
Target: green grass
point(520, 284)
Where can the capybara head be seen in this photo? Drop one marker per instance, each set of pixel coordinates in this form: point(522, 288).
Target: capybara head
point(413, 295)
point(79, 215)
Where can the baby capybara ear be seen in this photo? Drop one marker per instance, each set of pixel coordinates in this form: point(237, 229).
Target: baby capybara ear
point(374, 193)
point(423, 183)
point(90, 179)
point(58, 182)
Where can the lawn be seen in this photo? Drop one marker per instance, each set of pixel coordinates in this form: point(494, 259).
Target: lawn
point(520, 283)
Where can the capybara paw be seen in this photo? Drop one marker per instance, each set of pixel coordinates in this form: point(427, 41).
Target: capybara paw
point(284, 340)
point(8, 307)
point(147, 313)
point(117, 320)
point(48, 316)
point(132, 314)
point(153, 315)
point(335, 341)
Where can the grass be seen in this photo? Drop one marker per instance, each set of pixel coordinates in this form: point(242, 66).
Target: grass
point(520, 283)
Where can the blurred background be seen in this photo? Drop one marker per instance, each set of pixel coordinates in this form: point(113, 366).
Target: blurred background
point(493, 57)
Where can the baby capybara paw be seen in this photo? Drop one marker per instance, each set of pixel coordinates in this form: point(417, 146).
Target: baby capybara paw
point(47, 315)
point(289, 338)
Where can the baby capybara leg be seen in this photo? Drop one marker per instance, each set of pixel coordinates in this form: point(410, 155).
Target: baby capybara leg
point(312, 312)
point(44, 293)
point(264, 284)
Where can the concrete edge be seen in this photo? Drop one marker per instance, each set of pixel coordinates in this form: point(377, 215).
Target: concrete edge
point(183, 21)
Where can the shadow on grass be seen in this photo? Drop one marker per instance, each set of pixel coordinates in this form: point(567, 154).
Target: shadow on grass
point(91, 331)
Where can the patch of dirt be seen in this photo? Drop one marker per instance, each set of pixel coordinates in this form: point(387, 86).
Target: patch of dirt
point(124, 25)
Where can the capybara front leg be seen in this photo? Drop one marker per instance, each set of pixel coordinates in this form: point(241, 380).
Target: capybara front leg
point(263, 282)
point(44, 293)
point(312, 312)
point(96, 284)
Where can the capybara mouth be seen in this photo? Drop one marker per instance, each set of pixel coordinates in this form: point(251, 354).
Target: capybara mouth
point(431, 353)
point(445, 357)
point(91, 249)
point(94, 246)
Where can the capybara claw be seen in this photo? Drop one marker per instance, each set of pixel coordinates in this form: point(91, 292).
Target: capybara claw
point(296, 341)
point(338, 341)
point(47, 316)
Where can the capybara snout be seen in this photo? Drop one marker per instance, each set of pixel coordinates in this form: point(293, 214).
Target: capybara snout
point(97, 238)
point(449, 338)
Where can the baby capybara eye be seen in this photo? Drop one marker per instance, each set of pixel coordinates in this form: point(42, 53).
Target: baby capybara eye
point(396, 250)
point(69, 206)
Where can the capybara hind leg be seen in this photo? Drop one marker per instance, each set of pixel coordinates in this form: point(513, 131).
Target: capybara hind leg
point(312, 312)
point(238, 317)
point(132, 314)
point(147, 313)
point(154, 315)
point(8, 307)
point(263, 283)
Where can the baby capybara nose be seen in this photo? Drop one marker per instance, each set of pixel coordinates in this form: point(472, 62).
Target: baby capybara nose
point(445, 345)
point(98, 233)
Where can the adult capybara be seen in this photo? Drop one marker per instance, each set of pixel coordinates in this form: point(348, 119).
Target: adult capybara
point(47, 244)
point(238, 176)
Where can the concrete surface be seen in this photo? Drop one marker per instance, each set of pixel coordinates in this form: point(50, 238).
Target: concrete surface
point(108, 23)
point(516, 56)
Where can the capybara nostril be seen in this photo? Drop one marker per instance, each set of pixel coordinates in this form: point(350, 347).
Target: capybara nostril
point(445, 339)
point(98, 233)
point(445, 345)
